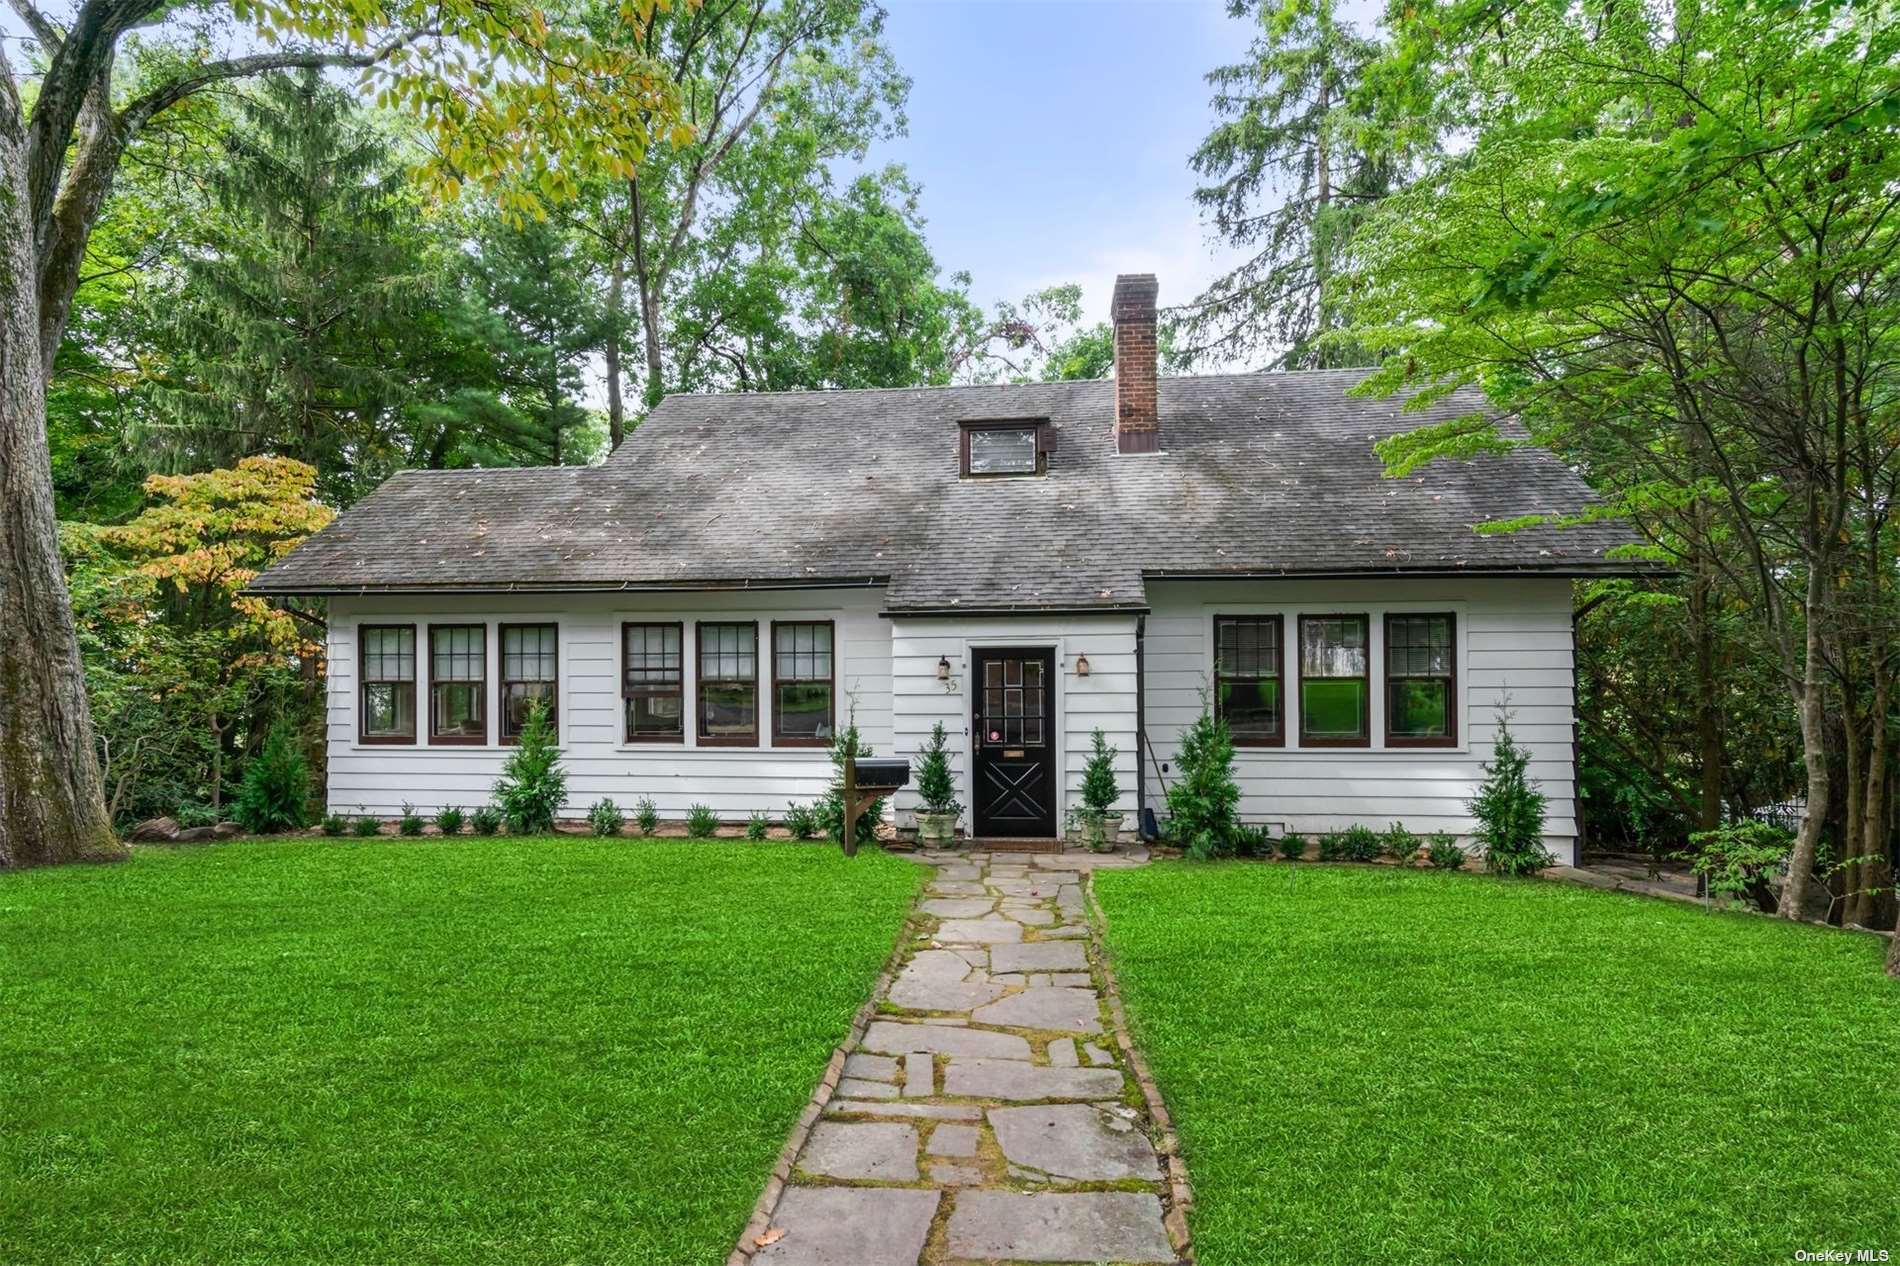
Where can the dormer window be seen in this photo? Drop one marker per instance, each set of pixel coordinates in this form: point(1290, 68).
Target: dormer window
point(1016, 447)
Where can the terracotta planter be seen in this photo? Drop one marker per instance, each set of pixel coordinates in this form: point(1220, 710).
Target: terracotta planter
point(1099, 830)
point(936, 830)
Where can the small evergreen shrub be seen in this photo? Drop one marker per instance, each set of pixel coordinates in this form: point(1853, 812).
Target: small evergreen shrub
point(830, 806)
point(1359, 844)
point(1292, 846)
point(757, 826)
point(1442, 850)
point(701, 822)
point(1331, 845)
point(801, 821)
point(1400, 844)
point(365, 827)
point(1203, 801)
point(1510, 810)
point(646, 815)
point(934, 783)
point(1099, 789)
point(450, 820)
point(335, 824)
point(1253, 841)
point(532, 784)
point(275, 794)
point(605, 817)
point(485, 820)
point(410, 823)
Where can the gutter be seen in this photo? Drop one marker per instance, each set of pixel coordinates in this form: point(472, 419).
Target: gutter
point(907, 613)
point(1141, 725)
point(1559, 572)
point(560, 587)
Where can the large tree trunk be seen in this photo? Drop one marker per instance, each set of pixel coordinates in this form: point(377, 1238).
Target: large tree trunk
point(1708, 714)
point(52, 801)
point(1807, 699)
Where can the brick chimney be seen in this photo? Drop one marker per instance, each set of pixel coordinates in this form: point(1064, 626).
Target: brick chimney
point(1137, 416)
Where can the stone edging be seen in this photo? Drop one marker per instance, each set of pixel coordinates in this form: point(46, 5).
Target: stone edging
point(1180, 1193)
point(782, 1170)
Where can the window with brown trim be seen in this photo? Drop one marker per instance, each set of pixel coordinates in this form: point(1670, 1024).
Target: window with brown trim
point(1015, 446)
point(653, 682)
point(1335, 682)
point(728, 691)
point(458, 683)
point(1421, 680)
point(530, 670)
point(386, 700)
point(802, 694)
point(1247, 679)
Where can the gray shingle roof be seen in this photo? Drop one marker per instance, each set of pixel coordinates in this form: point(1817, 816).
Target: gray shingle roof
point(1261, 474)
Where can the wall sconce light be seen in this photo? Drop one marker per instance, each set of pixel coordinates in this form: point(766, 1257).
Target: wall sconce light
point(943, 668)
point(1081, 665)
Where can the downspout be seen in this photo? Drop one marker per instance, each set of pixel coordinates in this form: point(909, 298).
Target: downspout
point(1141, 725)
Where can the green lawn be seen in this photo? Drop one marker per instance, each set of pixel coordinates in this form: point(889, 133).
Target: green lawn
point(519, 1051)
point(1368, 1065)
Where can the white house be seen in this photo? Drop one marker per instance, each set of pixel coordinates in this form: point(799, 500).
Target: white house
point(1025, 563)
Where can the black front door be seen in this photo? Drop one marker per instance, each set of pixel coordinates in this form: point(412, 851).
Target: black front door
point(1014, 728)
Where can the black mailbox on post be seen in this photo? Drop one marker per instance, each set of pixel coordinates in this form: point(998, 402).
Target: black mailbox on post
point(879, 773)
point(865, 781)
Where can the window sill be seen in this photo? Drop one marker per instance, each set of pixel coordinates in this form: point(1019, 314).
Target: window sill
point(1375, 749)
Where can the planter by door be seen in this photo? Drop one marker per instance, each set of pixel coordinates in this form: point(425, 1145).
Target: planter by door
point(1014, 734)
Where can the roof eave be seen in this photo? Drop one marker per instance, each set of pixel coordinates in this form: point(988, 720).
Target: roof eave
point(315, 590)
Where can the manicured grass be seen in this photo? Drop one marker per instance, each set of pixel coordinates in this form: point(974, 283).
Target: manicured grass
point(1368, 1065)
point(521, 1051)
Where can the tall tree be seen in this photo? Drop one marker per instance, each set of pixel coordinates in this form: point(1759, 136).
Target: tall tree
point(1292, 171)
point(503, 92)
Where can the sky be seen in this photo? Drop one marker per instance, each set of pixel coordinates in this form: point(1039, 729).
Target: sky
point(1052, 138)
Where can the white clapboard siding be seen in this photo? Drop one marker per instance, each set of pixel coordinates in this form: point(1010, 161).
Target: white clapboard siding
point(1104, 699)
point(1515, 650)
point(379, 779)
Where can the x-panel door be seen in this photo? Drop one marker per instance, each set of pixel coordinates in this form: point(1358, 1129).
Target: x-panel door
point(1014, 731)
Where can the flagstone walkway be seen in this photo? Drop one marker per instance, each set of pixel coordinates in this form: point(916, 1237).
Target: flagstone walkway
point(992, 1109)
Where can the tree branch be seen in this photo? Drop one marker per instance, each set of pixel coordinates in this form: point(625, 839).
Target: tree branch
point(138, 111)
point(49, 36)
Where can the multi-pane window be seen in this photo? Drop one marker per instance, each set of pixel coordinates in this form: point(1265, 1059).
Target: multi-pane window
point(1001, 450)
point(530, 673)
point(1013, 702)
point(1247, 692)
point(458, 683)
point(1335, 689)
point(729, 684)
point(1419, 674)
point(652, 683)
point(801, 684)
point(388, 704)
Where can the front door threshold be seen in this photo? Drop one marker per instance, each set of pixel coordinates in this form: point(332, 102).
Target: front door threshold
point(1015, 844)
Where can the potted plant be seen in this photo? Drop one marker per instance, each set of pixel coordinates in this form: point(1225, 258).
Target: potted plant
point(1101, 823)
point(937, 820)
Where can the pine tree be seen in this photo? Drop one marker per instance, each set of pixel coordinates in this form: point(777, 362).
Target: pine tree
point(1510, 810)
point(533, 785)
point(1099, 789)
point(1204, 800)
point(1292, 177)
point(934, 783)
point(275, 795)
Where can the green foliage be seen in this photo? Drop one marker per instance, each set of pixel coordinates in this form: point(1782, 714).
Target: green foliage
point(275, 795)
point(604, 817)
point(364, 827)
point(1292, 846)
point(1509, 810)
point(757, 826)
point(410, 823)
point(934, 782)
point(335, 824)
point(485, 820)
point(1741, 859)
point(801, 821)
point(646, 815)
point(1099, 788)
point(829, 810)
point(532, 784)
point(1360, 844)
point(1253, 841)
point(450, 820)
point(1204, 799)
point(1400, 844)
point(1443, 851)
point(701, 822)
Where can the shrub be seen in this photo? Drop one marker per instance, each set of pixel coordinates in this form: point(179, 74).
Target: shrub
point(1510, 810)
point(1359, 844)
point(1099, 789)
point(1442, 850)
point(757, 826)
point(934, 783)
point(365, 827)
point(335, 824)
point(194, 813)
point(701, 822)
point(801, 821)
point(1741, 859)
point(1253, 841)
point(275, 795)
point(450, 820)
point(485, 820)
point(1292, 846)
point(1400, 844)
point(1203, 799)
point(532, 784)
point(646, 815)
point(410, 823)
point(830, 806)
point(605, 817)
point(1331, 849)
